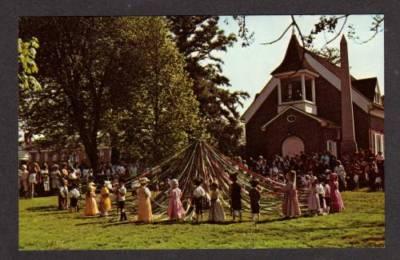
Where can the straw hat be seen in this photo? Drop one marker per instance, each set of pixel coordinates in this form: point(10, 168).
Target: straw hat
point(144, 180)
point(108, 184)
point(92, 185)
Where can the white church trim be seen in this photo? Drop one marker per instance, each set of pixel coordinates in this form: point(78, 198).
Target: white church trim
point(267, 90)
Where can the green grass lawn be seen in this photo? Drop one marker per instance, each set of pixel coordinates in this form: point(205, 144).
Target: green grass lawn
point(43, 227)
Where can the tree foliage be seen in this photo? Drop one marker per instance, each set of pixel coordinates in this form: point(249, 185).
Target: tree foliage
point(200, 39)
point(27, 66)
point(331, 54)
point(163, 106)
point(100, 74)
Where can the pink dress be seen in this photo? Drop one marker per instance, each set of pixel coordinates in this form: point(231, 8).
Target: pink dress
point(175, 207)
point(336, 198)
point(290, 205)
point(313, 199)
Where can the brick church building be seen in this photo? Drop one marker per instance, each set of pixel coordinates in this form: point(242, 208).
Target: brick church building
point(312, 105)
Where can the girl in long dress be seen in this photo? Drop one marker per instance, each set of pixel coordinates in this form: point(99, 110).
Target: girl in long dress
point(313, 197)
point(216, 213)
point(290, 205)
point(144, 204)
point(336, 198)
point(91, 208)
point(175, 207)
point(105, 200)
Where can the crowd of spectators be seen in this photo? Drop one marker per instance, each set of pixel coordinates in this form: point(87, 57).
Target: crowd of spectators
point(359, 170)
point(42, 180)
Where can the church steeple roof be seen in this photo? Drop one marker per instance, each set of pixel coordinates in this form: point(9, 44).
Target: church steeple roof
point(294, 58)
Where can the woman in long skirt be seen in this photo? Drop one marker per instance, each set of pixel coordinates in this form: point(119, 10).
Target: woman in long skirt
point(337, 204)
point(105, 201)
point(313, 197)
point(175, 207)
point(91, 208)
point(144, 204)
point(290, 205)
point(216, 213)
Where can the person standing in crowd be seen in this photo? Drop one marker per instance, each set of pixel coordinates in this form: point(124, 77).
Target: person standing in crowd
point(313, 197)
point(55, 176)
point(380, 162)
point(325, 160)
point(144, 204)
point(327, 189)
point(105, 201)
point(252, 164)
point(261, 166)
point(108, 171)
point(46, 178)
point(235, 192)
point(91, 208)
point(339, 169)
point(321, 196)
point(24, 179)
point(336, 198)
point(197, 199)
point(175, 207)
point(255, 196)
point(121, 193)
point(63, 196)
point(290, 204)
point(216, 213)
point(33, 175)
point(74, 196)
point(64, 171)
point(372, 174)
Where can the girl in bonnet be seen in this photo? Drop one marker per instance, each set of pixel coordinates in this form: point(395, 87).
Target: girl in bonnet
point(175, 207)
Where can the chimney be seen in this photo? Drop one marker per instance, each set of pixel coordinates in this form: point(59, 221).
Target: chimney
point(348, 143)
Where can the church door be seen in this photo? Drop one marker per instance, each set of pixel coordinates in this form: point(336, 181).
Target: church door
point(292, 146)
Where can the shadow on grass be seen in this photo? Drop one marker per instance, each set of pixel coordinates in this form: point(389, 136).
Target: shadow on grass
point(169, 222)
point(43, 209)
point(282, 219)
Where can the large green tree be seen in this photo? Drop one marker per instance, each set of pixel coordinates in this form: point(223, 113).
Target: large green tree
point(95, 80)
point(162, 115)
point(200, 39)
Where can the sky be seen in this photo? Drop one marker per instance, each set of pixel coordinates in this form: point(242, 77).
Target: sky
point(249, 68)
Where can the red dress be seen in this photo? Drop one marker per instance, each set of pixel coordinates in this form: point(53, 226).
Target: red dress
point(336, 198)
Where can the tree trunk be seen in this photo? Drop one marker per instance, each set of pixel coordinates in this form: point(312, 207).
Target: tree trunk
point(92, 154)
